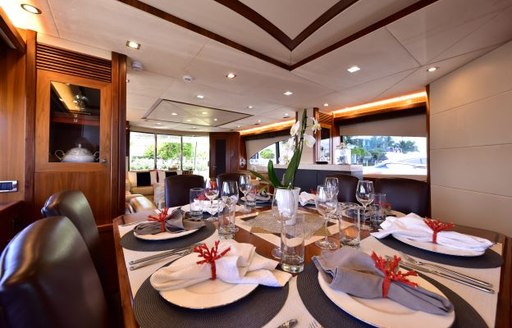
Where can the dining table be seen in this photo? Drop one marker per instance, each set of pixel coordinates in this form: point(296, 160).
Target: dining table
point(304, 300)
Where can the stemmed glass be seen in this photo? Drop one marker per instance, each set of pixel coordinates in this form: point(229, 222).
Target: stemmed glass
point(245, 187)
point(284, 208)
point(365, 195)
point(332, 187)
point(326, 205)
point(211, 192)
point(229, 195)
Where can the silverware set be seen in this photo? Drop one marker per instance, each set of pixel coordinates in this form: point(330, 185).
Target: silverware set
point(410, 263)
point(175, 253)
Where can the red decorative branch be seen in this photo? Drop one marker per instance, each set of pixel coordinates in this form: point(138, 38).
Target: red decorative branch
point(161, 218)
point(437, 226)
point(210, 256)
point(391, 272)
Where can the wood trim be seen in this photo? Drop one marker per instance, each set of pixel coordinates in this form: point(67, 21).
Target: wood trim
point(255, 17)
point(192, 27)
point(10, 34)
point(119, 69)
point(365, 31)
point(54, 59)
point(427, 122)
point(30, 117)
point(267, 26)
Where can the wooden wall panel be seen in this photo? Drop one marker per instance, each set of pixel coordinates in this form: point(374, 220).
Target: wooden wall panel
point(90, 183)
point(12, 120)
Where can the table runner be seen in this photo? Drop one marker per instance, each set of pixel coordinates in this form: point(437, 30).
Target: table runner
point(329, 314)
point(490, 259)
point(129, 241)
point(254, 310)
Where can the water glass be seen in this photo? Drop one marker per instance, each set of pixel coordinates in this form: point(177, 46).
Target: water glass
point(250, 198)
point(350, 228)
point(227, 221)
point(380, 209)
point(196, 205)
point(292, 244)
point(244, 182)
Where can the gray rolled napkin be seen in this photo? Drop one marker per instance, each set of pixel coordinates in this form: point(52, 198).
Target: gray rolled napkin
point(173, 223)
point(354, 273)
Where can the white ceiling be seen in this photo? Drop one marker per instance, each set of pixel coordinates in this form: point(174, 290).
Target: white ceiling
point(393, 58)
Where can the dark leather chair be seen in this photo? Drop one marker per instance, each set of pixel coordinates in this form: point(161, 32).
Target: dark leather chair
point(48, 279)
point(347, 188)
point(405, 195)
point(234, 176)
point(177, 188)
point(74, 205)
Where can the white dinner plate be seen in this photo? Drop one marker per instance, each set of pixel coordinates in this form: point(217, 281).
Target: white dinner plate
point(186, 208)
point(436, 248)
point(383, 312)
point(207, 294)
point(165, 235)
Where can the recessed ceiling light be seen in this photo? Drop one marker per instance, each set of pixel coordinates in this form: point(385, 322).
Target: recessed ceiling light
point(250, 107)
point(288, 93)
point(132, 44)
point(174, 114)
point(31, 9)
point(326, 104)
point(204, 113)
point(238, 126)
point(189, 120)
point(231, 76)
point(353, 69)
point(215, 119)
point(200, 97)
point(432, 69)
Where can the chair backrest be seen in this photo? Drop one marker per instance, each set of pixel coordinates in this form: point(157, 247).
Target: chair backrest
point(234, 176)
point(177, 188)
point(347, 188)
point(74, 205)
point(405, 195)
point(48, 279)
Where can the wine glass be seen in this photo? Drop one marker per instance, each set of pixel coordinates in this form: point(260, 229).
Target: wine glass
point(332, 187)
point(326, 205)
point(245, 187)
point(211, 192)
point(229, 195)
point(284, 208)
point(365, 195)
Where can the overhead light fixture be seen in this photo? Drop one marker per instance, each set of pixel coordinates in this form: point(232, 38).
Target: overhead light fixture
point(174, 114)
point(353, 69)
point(288, 93)
point(432, 69)
point(132, 44)
point(200, 97)
point(189, 120)
point(31, 9)
point(215, 119)
point(286, 115)
point(231, 76)
point(250, 107)
point(326, 104)
point(238, 126)
point(204, 113)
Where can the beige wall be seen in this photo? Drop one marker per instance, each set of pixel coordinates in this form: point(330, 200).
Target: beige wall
point(471, 143)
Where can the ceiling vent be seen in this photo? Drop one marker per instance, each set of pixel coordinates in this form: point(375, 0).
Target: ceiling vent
point(187, 78)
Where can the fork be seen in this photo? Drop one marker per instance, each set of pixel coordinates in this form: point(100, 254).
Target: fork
point(174, 257)
point(315, 324)
point(412, 260)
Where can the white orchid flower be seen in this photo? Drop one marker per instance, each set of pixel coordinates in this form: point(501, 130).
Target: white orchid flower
point(309, 139)
point(316, 126)
point(295, 128)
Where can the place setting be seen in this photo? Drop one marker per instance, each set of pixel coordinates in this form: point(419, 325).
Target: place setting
point(351, 288)
point(433, 240)
point(168, 229)
point(212, 286)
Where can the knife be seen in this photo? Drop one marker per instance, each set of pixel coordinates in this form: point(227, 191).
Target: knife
point(447, 276)
point(288, 324)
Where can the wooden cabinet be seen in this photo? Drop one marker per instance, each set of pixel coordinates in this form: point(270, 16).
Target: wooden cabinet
point(82, 134)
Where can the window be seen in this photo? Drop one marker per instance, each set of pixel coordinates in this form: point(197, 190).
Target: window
point(173, 152)
point(394, 155)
